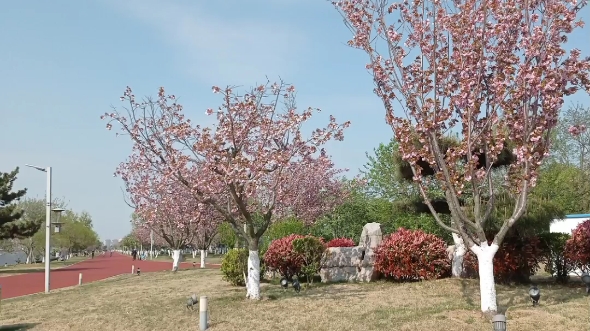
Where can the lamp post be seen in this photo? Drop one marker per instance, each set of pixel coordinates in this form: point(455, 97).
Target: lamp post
point(47, 222)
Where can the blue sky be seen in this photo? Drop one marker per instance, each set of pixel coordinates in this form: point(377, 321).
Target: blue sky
point(63, 63)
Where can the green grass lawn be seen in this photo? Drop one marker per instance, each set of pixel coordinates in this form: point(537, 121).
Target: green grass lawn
point(37, 267)
point(211, 258)
point(156, 301)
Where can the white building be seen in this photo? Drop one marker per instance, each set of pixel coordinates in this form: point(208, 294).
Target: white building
point(567, 225)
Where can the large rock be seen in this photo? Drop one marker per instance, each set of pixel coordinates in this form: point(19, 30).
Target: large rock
point(371, 236)
point(338, 274)
point(340, 264)
point(342, 257)
point(345, 264)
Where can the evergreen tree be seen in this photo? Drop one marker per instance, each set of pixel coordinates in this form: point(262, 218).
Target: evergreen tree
point(11, 225)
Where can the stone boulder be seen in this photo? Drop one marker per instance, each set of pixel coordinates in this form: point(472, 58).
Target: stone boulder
point(348, 264)
point(371, 236)
point(340, 264)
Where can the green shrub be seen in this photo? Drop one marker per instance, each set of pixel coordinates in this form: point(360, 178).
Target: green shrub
point(311, 249)
point(234, 265)
point(423, 222)
point(553, 245)
point(226, 234)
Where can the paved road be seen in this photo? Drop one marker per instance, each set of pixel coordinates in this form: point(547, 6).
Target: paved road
point(101, 267)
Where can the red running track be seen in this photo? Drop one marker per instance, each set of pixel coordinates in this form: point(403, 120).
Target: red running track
point(101, 267)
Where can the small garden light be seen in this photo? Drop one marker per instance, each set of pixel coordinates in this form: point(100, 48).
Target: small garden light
point(284, 283)
point(296, 285)
point(535, 294)
point(138, 271)
point(586, 279)
point(499, 322)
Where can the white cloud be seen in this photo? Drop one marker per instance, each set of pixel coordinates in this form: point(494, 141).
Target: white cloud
point(222, 50)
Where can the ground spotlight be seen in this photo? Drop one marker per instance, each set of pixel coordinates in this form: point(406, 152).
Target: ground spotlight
point(535, 294)
point(586, 279)
point(284, 283)
point(138, 271)
point(499, 322)
point(296, 285)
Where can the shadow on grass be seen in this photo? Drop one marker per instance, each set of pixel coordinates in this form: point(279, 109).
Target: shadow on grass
point(18, 327)
point(468, 291)
point(318, 291)
point(552, 293)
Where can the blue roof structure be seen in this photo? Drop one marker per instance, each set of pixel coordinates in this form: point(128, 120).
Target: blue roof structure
point(577, 216)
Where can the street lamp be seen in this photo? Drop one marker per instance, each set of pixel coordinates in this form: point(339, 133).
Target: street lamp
point(47, 222)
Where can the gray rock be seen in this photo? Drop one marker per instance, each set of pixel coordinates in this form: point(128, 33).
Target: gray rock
point(338, 274)
point(371, 236)
point(192, 301)
point(348, 264)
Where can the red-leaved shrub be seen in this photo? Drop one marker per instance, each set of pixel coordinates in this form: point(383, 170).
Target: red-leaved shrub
point(409, 255)
point(341, 242)
point(577, 248)
point(280, 256)
point(516, 260)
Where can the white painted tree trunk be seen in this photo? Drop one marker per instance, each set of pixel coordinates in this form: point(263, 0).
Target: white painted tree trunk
point(458, 256)
point(194, 252)
point(253, 283)
point(157, 253)
point(203, 256)
point(487, 287)
point(175, 259)
point(206, 253)
point(28, 259)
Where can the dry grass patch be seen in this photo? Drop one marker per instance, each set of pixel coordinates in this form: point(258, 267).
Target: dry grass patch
point(156, 301)
point(20, 269)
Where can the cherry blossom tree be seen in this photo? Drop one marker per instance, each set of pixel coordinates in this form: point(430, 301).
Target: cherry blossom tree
point(166, 207)
point(205, 233)
point(493, 72)
point(244, 166)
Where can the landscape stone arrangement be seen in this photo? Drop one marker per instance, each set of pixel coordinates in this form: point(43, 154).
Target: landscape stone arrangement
point(350, 264)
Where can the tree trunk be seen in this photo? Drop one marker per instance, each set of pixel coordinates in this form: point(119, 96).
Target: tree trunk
point(458, 255)
point(253, 275)
point(194, 252)
point(487, 287)
point(175, 259)
point(253, 279)
point(203, 256)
